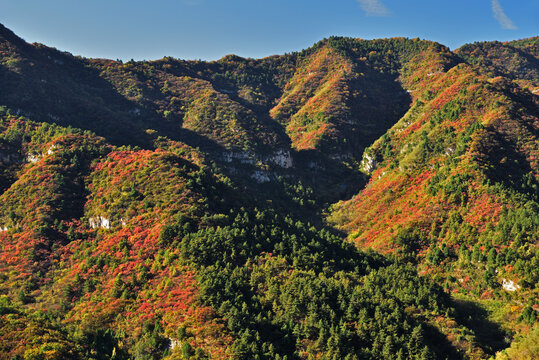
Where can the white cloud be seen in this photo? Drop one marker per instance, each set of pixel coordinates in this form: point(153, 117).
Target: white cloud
point(374, 7)
point(501, 17)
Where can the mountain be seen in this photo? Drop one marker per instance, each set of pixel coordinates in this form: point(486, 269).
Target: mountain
point(354, 200)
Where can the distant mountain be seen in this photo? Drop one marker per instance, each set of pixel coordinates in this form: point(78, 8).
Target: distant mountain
point(355, 200)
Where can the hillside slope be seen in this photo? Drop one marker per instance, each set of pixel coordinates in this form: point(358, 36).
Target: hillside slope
point(192, 210)
point(454, 184)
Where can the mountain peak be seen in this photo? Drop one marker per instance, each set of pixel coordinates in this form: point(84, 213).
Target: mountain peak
point(9, 35)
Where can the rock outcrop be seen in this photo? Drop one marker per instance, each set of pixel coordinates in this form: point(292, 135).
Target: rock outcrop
point(99, 222)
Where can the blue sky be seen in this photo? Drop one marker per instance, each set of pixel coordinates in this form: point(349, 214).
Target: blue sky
point(210, 29)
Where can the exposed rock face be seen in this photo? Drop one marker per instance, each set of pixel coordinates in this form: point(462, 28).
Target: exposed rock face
point(243, 157)
point(135, 111)
point(260, 177)
point(51, 149)
point(339, 157)
point(509, 285)
point(33, 158)
point(368, 163)
point(281, 158)
point(315, 165)
point(173, 343)
point(99, 222)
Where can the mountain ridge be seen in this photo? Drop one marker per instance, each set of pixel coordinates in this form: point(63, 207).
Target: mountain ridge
point(230, 209)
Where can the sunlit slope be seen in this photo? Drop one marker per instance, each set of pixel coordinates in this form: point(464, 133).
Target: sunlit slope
point(455, 180)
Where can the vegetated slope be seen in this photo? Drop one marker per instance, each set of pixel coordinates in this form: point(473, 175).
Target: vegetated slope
point(52, 86)
point(346, 93)
point(454, 185)
point(126, 103)
point(516, 60)
point(57, 264)
point(191, 228)
point(166, 258)
point(221, 107)
point(233, 109)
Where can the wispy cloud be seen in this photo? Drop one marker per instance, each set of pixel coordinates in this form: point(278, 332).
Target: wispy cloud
point(501, 17)
point(374, 8)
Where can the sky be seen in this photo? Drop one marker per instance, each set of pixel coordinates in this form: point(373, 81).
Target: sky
point(210, 29)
